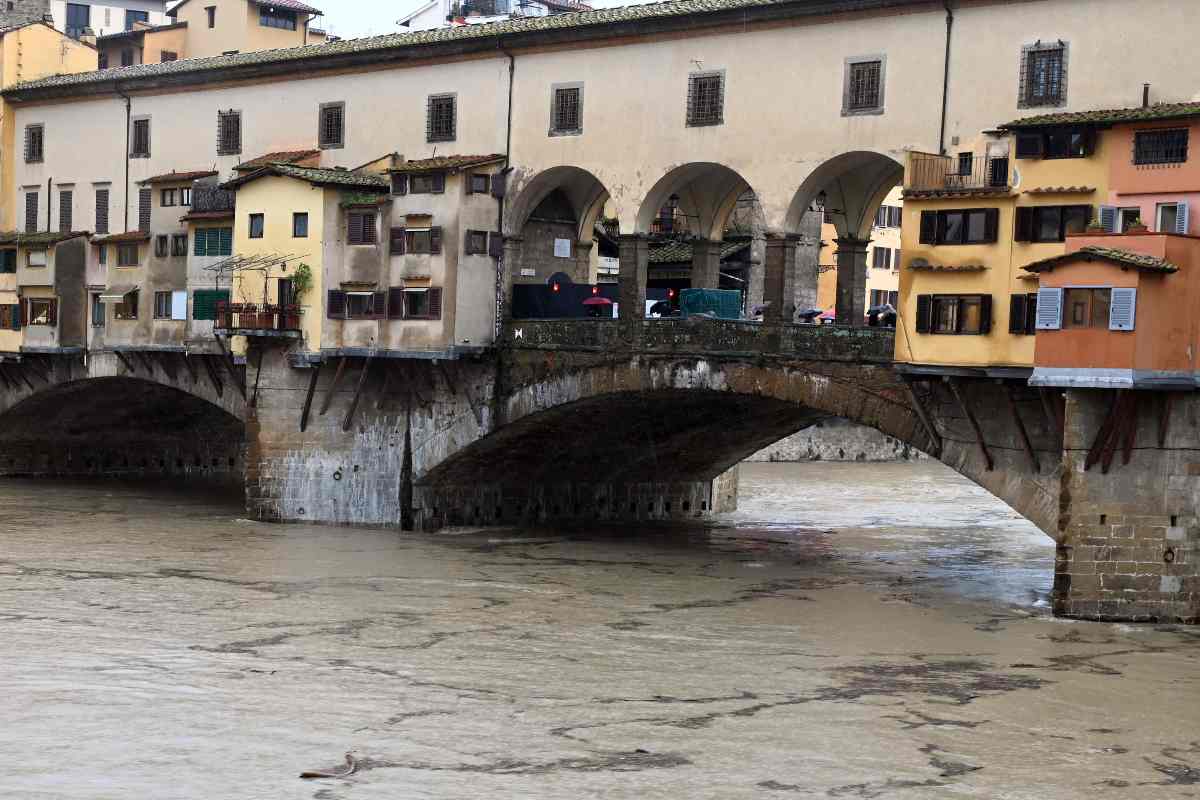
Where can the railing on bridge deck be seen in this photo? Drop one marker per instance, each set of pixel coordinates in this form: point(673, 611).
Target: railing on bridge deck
point(258, 319)
point(704, 336)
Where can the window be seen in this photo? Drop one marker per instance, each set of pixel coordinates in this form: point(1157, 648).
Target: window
point(1050, 223)
point(211, 12)
point(427, 183)
point(415, 303)
point(35, 258)
point(1126, 218)
point(440, 120)
point(968, 226)
point(102, 255)
point(144, 196)
point(127, 57)
point(966, 163)
point(331, 125)
point(364, 305)
point(1160, 147)
point(1022, 314)
point(229, 133)
point(476, 243)
point(881, 297)
point(97, 311)
point(566, 110)
point(862, 92)
point(66, 210)
point(179, 244)
point(41, 311)
point(256, 226)
point(204, 302)
point(271, 17)
point(185, 196)
point(1087, 308)
point(888, 217)
point(102, 211)
point(360, 227)
point(1057, 143)
point(167, 198)
point(10, 317)
point(161, 246)
point(210, 242)
point(969, 314)
point(706, 98)
point(478, 183)
point(299, 225)
point(162, 305)
point(31, 212)
point(128, 307)
point(419, 241)
point(35, 143)
point(135, 16)
point(127, 254)
point(881, 257)
point(1043, 79)
point(139, 143)
point(8, 261)
point(396, 241)
point(167, 55)
point(79, 19)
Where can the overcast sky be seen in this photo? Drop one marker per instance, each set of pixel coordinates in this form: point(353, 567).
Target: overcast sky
point(352, 19)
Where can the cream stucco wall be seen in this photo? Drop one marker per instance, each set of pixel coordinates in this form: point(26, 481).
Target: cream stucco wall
point(236, 28)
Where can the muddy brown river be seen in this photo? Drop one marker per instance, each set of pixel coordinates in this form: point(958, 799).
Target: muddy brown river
point(854, 631)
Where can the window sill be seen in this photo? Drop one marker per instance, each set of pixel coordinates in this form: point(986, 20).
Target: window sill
point(691, 123)
point(331, 146)
point(552, 132)
point(863, 112)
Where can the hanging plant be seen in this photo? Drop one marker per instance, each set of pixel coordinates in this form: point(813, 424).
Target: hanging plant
point(301, 281)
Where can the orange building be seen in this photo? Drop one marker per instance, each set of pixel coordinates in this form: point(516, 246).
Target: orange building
point(1117, 311)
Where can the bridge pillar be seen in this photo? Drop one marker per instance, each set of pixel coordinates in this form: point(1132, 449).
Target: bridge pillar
point(635, 269)
point(808, 260)
point(851, 280)
point(510, 264)
point(706, 264)
point(779, 280)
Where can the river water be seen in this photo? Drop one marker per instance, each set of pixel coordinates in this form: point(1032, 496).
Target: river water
point(854, 631)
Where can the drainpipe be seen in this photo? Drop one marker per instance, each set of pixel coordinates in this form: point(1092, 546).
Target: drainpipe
point(945, 78)
point(500, 265)
point(49, 204)
point(128, 117)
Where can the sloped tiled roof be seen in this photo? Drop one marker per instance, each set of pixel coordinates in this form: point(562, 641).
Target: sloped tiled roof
point(600, 23)
point(290, 5)
point(445, 163)
point(1111, 116)
point(1061, 190)
point(1122, 258)
point(316, 176)
point(42, 239)
point(180, 177)
point(127, 236)
point(680, 252)
point(281, 157)
point(136, 32)
point(196, 216)
point(919, 265)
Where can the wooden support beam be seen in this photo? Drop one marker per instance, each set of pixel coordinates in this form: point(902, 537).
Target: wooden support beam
point(926, 422)
point(960, 396)
point(337, 378)
point(308, 397)
point(191, 369)
point(1167, 403)
point(212, 375)
point(128, 365)
point(25, 378)
point(1016, 415)
point(1053, 410)
point(348, 420)
point(383, 398)
point(257, 375)
point(1103, 433)
point(146, 362)
point(168, 367)
point(413, 383)
point(8, 382)
point(1131, 424)
point(455, 388)
point(239, 381)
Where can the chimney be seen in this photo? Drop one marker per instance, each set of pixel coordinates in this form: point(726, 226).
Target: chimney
point(1145, 95)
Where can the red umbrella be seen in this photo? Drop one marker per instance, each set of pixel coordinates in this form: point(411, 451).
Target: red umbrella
point(597, 301)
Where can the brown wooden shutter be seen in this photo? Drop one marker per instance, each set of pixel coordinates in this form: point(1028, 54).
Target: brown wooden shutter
point(396, 241)
point(144, 197)
point(1016, 314)
point(102, 211)
point(395, 304)
point(924, 312)
point(53, 313)
point(928, 227)
point(399, 184)
point(991, 224)
point(1023, 229)
point(438, 180)
point(335, 304)
point(368, 229)
point(499, 184)
point(495, 245)
point(379, 301)
point(25, 311)
point(435, 240)
point(435, 302)
point(354, 228)
point(985, 313)
point(1031, 313)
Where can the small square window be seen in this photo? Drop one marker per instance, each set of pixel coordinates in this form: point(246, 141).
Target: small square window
point(427, 183)
point(256, 226)
point(476, 242)
point(167, 198)
point(706, 98)
point(440, 122)
point(863, 89)
point(299, 225)
point(127, 308)
point(42, 311)
point(127, 254)
point(360, 227)
point(566, 110)
point(479, 183)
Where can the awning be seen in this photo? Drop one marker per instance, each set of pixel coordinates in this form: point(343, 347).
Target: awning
point(116, 294)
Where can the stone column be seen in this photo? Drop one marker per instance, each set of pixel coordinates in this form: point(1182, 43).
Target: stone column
point(808, 261)
point(754, 279)
point(779, 279)
point(852, 280)
point(508, 267)
point(583, 262)
point(635, 261)
point(706, 264)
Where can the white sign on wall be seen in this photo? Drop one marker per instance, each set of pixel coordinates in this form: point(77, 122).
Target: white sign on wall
point(608, 265)
point(562, 248)
point(526, 272)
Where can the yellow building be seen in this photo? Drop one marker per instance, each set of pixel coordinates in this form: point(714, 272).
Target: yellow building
point(883, 258)
point(222, 27)
point(971, 222)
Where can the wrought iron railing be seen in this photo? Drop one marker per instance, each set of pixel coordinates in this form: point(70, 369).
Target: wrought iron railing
point(257, 317)
point(928, 172)
point(212, 198)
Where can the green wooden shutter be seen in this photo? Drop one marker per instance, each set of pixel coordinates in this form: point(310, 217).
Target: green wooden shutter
point(225, 242)
point(204, 302)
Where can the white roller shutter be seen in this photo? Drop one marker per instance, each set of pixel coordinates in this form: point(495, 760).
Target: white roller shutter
point(1123, 310)
point(1108, 218)
point(1049, 309)
point(179, 305)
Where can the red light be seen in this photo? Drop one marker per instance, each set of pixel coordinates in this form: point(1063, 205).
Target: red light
point(670, 293)
point(554, 287)
point(595, 290)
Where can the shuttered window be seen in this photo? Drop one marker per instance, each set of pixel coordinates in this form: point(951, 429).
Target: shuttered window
point(955, 314)
point(229, 132)
point(331, 125)
point(1050, 223)
point(66, 207)
point(399, 183)
point(102, 211)
point(162, 246)
point(179, 244)
point(440, 122)
point(211, 242)
point(31, 212)
point(204, 302)
point(360, 227)
point(966, 226)
point(10, 317)
point(427, 183)
point(1022, 314)
point(706, 98)
point(1123, 309)
point(475, 243)
point(139, 140)
point(1049, 309)
point(35, 143)
point(144, 199)
point(396, 241)
point(335, 304)
point(423, 241)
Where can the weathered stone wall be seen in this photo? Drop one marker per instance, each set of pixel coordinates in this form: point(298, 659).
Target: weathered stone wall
point(838, 440)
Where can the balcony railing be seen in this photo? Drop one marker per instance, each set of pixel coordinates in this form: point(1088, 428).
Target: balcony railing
point(211, 198)
point(966, 171)
point(258, 318)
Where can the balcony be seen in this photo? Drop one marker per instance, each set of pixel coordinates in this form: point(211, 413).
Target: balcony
point(211, 199)
point(965, 173)
point(258, 319)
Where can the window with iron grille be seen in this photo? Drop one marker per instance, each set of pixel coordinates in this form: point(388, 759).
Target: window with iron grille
point(566, 110)
point(102, 211)
point(1043, 80)
point(66, 204)
point(35, 143)
point(144, 196)
point(1160, 147)
point(331, 125)
point(863, 90)
point(139, 142)
point(440, 121)
point(229, 133)
point(31, 212)
point(706, 98)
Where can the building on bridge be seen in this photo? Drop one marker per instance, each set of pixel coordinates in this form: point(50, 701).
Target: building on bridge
point(450, 13)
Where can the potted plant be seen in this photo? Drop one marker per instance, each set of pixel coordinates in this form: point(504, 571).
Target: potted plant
point(302, 280)
point(1135, 226)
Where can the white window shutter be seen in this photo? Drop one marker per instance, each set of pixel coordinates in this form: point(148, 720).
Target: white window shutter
point(179, 305)
point(1049, 309)
point(1108, 218)
point(1181, 218)
point(1123, 310)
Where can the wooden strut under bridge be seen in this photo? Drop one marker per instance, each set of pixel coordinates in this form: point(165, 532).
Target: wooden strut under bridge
point(167, 361)
point(1119, 428)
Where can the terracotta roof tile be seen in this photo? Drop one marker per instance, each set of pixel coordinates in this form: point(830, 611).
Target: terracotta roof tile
point(127, 236)
point(1122, 258)
point(444, 163)
point(1111, 116)
point(314, 175)
point(1061, 190)
point(180, 177)
point(933, 194)
point(290, 5)
point(281, 157)
point(203, 215)
point(680, 252)
point(42, 239)
point(919, 265)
